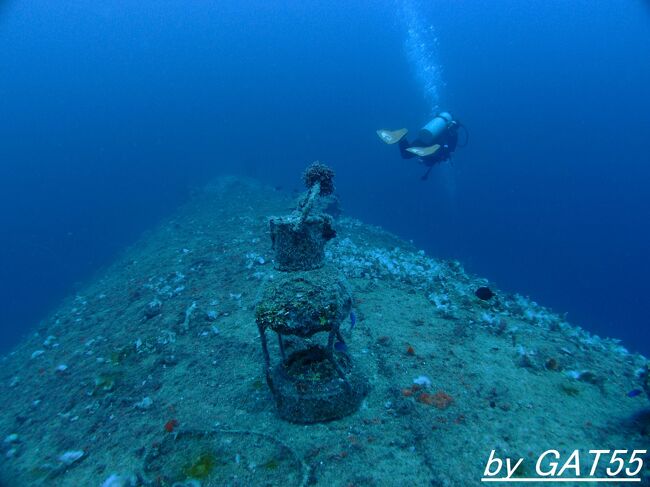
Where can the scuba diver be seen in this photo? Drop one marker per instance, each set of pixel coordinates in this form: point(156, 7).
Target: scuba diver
point(435, 143)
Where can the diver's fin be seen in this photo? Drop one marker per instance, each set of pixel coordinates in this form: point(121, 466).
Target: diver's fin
point(424, 151)
point(391, 136)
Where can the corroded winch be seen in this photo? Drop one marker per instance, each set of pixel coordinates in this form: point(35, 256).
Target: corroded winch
point(313, 381)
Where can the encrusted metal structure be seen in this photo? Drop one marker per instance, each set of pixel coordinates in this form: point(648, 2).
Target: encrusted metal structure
point(313, 382)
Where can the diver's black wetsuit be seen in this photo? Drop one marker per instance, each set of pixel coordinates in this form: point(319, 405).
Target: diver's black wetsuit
point(447, 147)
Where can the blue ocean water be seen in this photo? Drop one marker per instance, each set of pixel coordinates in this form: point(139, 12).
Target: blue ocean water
point(112, 112)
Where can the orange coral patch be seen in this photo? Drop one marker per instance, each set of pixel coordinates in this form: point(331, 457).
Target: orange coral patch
point(440, 399)
point(170, 425)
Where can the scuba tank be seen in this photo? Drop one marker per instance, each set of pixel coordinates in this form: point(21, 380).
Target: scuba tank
point(435, 130)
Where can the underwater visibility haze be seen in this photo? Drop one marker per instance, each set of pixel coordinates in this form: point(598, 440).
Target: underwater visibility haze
point(144, 146)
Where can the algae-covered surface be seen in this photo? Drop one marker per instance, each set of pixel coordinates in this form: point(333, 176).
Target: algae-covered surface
point(152, 373)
